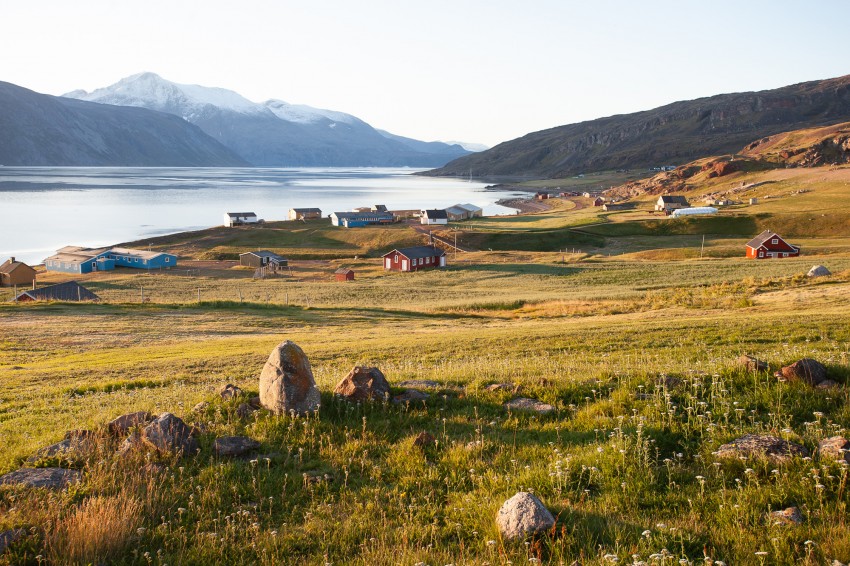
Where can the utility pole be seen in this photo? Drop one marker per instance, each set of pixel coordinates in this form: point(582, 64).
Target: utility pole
point(702, 246)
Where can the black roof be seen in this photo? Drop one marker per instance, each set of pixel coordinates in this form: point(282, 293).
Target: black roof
point(436, 214)
point(319, 210)
point(420, 251)
point(70, 291)
point(674, 199)
point(263, 253)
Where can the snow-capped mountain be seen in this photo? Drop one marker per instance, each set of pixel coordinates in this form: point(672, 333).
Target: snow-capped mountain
point(272, 133)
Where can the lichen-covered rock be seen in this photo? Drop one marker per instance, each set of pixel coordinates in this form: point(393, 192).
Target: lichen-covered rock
point(169, 434)
point(232, 446)
point(807, 370)
point(523, 515)
point(789, 516)
point(286, 382)
point(835, 448)
point(752, 364)
point(50, 478)
point(761, 445)
point(363, 384)
point(526, 404)
point(122, 425)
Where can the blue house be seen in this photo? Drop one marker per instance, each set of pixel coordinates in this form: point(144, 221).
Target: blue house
point(355, 219)
point(76, 259)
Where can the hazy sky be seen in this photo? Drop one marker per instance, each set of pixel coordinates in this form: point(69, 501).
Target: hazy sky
point(478, 71)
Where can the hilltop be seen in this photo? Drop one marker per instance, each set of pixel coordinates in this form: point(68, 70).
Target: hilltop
point(673, 134)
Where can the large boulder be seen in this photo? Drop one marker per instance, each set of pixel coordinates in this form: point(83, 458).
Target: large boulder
point(287, 384)
point(761, 446)
point(807, 370)
point(50, 478)
point(818, 271)
point(523, 515)
point(835, 448)
point(169, 434)
point(363, 384)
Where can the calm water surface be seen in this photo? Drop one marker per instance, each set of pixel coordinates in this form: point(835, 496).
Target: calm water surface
point(45, 208)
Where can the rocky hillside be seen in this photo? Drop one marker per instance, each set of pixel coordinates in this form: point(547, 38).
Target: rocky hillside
point(38, 129)
point(809, 147)
point(673, 134)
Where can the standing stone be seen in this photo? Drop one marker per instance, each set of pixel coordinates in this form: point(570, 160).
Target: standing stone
point(807, 370)
point(287, 384)
point(170, 434)
point(523, 515)
point(363, 384)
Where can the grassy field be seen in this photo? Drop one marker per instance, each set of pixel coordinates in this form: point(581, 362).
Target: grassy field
point(625, 461)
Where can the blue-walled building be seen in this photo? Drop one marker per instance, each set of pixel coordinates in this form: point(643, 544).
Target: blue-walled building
point(76, 259)
point(356, 219)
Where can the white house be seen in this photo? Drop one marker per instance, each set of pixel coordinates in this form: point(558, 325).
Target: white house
point(237, 218)
point(434, 217)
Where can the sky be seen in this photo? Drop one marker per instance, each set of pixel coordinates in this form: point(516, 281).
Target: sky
point(482, 71)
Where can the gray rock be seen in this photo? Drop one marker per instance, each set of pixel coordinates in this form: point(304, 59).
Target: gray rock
point(411, 396)
point(229, 391)
point(668, 382)
point(526, 404)
point(807, 370)
point(50, 478)
point(122, 425)
point(200, 407)
point(421, 384)
point(818, 271)
point(232, 446)
point(494, 387)
point(169, 434)
point(7, 538)
point(244, 410)
point(363, 384)
point(789, 516)
point(523, 515)
point(827, 384)
point(77, 446)
point(752, 364)
point(131, 444)
point(835, 448)
point(759, 445)
point(286, 382)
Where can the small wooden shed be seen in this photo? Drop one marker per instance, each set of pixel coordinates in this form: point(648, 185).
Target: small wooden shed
point(344, 274)
point(14, 272)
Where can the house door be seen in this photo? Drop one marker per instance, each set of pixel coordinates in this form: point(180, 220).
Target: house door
point(442, 261)
point(388, 263)
point(404, 265)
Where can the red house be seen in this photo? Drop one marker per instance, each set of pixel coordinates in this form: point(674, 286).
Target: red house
point(414, 259)
point(344, 274)
point(770, 244)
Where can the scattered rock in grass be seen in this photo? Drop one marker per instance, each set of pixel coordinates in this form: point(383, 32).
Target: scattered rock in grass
point(169, 434)
point(313, 478)
point(496, 387)
point(760, 445)
point(669, 382)
point(122, 425)
point(50, 478)
point(523, 515)
point(244, 410)
point(7, 538)
point(363, 384)
point(233, 446)
point(424, 440)
point(526, 404)
point(835, 448)
point(255, 402)
point(131, 444)
point(75, 447)
point(827, 384)
point(421, 384)
point(286, 382)
point(807, 370)
point(818, 271)
point(411, 396)
point(751, 363)
point(789, 516)
point(200, 407)
point(229, 391)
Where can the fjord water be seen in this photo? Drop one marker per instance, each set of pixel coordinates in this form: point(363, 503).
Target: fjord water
point(45, 208)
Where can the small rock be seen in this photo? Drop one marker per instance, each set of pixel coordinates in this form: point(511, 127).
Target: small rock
point(752, 364)
point(523, 515)
point(286, 382)
point(758, 445)
point(9, 537)
point(669, 382)
point(495, 387)
point(50, 478)
point(255, 402)
point(420, 384)
point(835, 448)
point(131, 444)
point(526, 404)
point(244, 410)
point(363, 384)
point(789, 516)
point(169, 433)
point(411, 396)
point(818, 271)
point(122, 425)
point(827, 384)
point(313, 478)
point(424, 439)
point(807, 370)
point(200, 407)
point(232, 446)
point(474, 445)
point(229, 391)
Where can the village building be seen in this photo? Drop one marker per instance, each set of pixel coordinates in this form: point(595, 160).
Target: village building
point(379, 208)
point(415, 258)
point(611, 206)
point(455, 213)
point(305, 213)
point(598, 201)
point(76, 259)
point(541, 195)
point(474, 211)
point(239, 218)
point(14, 273)
point(434, 217)
point(769, 244)
point(344, 274)
point(263, 258)
point(669, 203)
point(70, 291)
point(356, 219)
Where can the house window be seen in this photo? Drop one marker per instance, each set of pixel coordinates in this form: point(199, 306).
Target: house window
point(167, 259)
point(774, 241)
point(761, 253)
